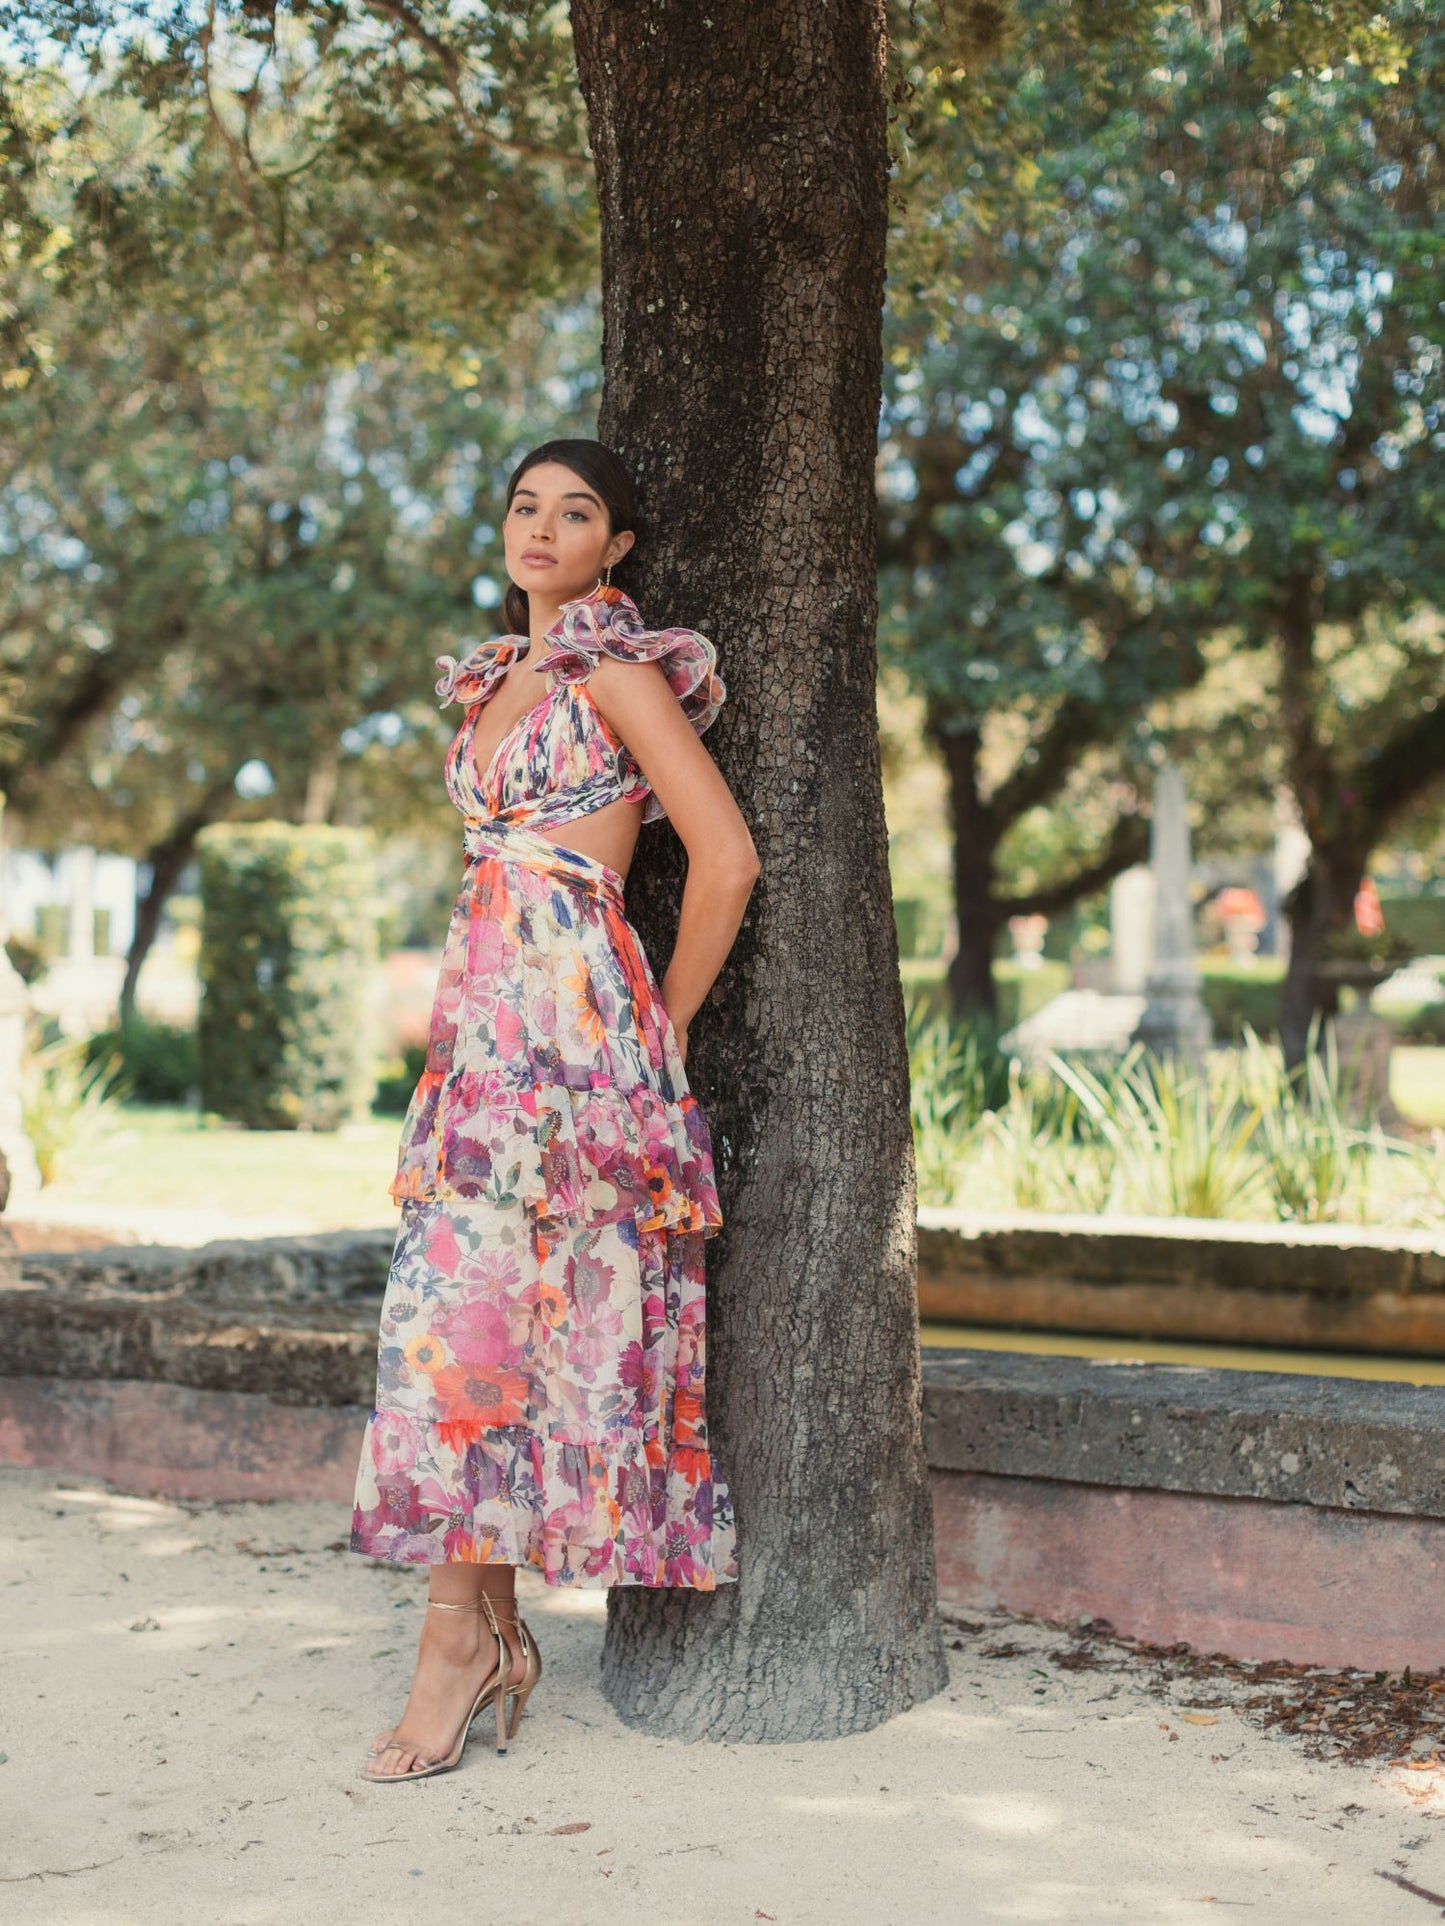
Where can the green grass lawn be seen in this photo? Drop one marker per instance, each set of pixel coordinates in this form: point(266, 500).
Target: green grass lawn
point(157, 1157)
point(163, 1158)
point(1417, 1082)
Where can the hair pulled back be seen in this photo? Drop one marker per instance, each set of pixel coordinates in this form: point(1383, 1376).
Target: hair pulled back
point(605, 475)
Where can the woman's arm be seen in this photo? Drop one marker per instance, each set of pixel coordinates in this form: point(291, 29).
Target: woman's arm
point(722, 864)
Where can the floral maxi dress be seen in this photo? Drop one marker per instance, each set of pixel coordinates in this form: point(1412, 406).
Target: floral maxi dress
point(540, 1368)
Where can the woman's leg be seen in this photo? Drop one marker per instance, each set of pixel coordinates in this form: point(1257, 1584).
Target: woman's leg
point(456, 1655)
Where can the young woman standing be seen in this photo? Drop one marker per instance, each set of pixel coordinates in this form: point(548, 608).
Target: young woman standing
point(540, 1383)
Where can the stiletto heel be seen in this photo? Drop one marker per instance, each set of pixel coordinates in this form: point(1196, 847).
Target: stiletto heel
point(521, 1690)
point(496, 1686)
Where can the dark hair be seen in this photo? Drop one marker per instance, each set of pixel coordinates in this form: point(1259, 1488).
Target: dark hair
point(603, 472)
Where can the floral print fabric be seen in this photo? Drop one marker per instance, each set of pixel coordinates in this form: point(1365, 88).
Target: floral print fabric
point(542, 1352)
point(561, 760)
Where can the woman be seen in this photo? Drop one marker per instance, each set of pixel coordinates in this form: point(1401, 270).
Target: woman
point(540, 1384)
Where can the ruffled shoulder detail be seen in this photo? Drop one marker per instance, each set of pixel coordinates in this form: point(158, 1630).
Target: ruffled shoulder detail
point(477, 674)
point(607, 622)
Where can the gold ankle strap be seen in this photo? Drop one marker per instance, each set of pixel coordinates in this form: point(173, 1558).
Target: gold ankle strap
point(440, 1605)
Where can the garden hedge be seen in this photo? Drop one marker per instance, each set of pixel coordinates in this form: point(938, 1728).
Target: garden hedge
point(288, 939)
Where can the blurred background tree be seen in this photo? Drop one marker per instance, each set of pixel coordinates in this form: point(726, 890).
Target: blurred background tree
point(1170, 378)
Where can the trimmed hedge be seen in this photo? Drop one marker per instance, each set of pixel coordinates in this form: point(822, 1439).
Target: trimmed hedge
point(1238, 993)
point(397, 1080)
point(158, 1061)
point(288, 938)
point(1418, 922)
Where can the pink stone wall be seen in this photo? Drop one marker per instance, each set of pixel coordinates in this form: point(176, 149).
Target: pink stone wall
point(1232, 1575)
point(165, 1440)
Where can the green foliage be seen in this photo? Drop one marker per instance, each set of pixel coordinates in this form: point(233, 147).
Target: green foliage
point(1417, 1023)
point(1179, 1143)
point(397, 1081)
point(288, 937)
point(1241, 995)
point(336, 179)
point(1417, 921)
point(1315, 1157)
point(1242, 1137)
point(1163, 378)
point(66, 1100)
point(157, 1062)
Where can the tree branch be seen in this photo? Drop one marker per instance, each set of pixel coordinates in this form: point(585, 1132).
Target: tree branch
point(1128, 844)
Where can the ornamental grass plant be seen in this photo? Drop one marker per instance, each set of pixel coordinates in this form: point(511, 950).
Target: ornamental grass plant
point(1144, 1134)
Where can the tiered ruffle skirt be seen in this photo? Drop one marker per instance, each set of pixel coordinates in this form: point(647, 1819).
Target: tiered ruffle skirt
point(541, 1365)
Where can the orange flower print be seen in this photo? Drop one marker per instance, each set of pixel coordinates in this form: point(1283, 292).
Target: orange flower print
point(586, 1012)
point(426, 1353)
point(492, 1396)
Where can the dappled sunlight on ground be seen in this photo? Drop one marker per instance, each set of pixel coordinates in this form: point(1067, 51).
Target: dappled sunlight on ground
point(185, 1731)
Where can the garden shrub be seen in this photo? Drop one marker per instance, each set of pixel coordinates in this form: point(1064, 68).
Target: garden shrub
point(288, 937)
point(397, 1080)
point(158, 1062)
point(1241, 995)
point(1417, 921)
point(1417, 1022)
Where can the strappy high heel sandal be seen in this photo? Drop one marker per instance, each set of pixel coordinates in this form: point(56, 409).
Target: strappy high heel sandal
point(496, 1687)
point(520, 1691)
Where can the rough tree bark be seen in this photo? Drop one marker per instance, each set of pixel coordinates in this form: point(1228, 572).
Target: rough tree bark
point(742, 178)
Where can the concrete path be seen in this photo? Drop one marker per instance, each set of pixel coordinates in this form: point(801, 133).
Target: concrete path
point(188, 1692)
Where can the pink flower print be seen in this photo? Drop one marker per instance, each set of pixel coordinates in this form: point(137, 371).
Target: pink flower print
point(486, 952)
point(393, 1443)
point(595, 1334)
point(510, 1034)
point(599, 1131)
point(496, 1103)
point(441, 1247)
point(476, 1332)
point(493, 1273)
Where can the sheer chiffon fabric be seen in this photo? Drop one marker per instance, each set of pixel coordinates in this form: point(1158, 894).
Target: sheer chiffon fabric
point(542, 1353)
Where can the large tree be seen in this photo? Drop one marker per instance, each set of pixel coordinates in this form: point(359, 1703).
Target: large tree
point(1195, 384)
point(742, 170)
point(742, 173)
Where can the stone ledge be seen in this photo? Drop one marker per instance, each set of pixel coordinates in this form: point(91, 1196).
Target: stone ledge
point(1345, 1443)
point(291, 1318)
point(330, 1264)
point(1313, 1286)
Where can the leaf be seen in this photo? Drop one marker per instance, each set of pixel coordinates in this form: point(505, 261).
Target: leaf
point(577, 1825)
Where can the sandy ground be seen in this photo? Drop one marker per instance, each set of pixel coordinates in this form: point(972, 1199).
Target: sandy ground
point(189, 1689)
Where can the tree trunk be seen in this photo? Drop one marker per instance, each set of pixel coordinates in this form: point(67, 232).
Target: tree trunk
point(1319, 906)
point(970, 974)
point(166, 860)
point(742, 178)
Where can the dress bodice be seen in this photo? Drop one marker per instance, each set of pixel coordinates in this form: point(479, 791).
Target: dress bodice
point(561, 760)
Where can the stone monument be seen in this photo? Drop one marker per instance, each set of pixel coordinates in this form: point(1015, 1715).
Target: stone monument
point(1174, 1019)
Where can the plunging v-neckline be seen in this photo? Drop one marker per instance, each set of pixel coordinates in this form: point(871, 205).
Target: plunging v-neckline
point(484, 776)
